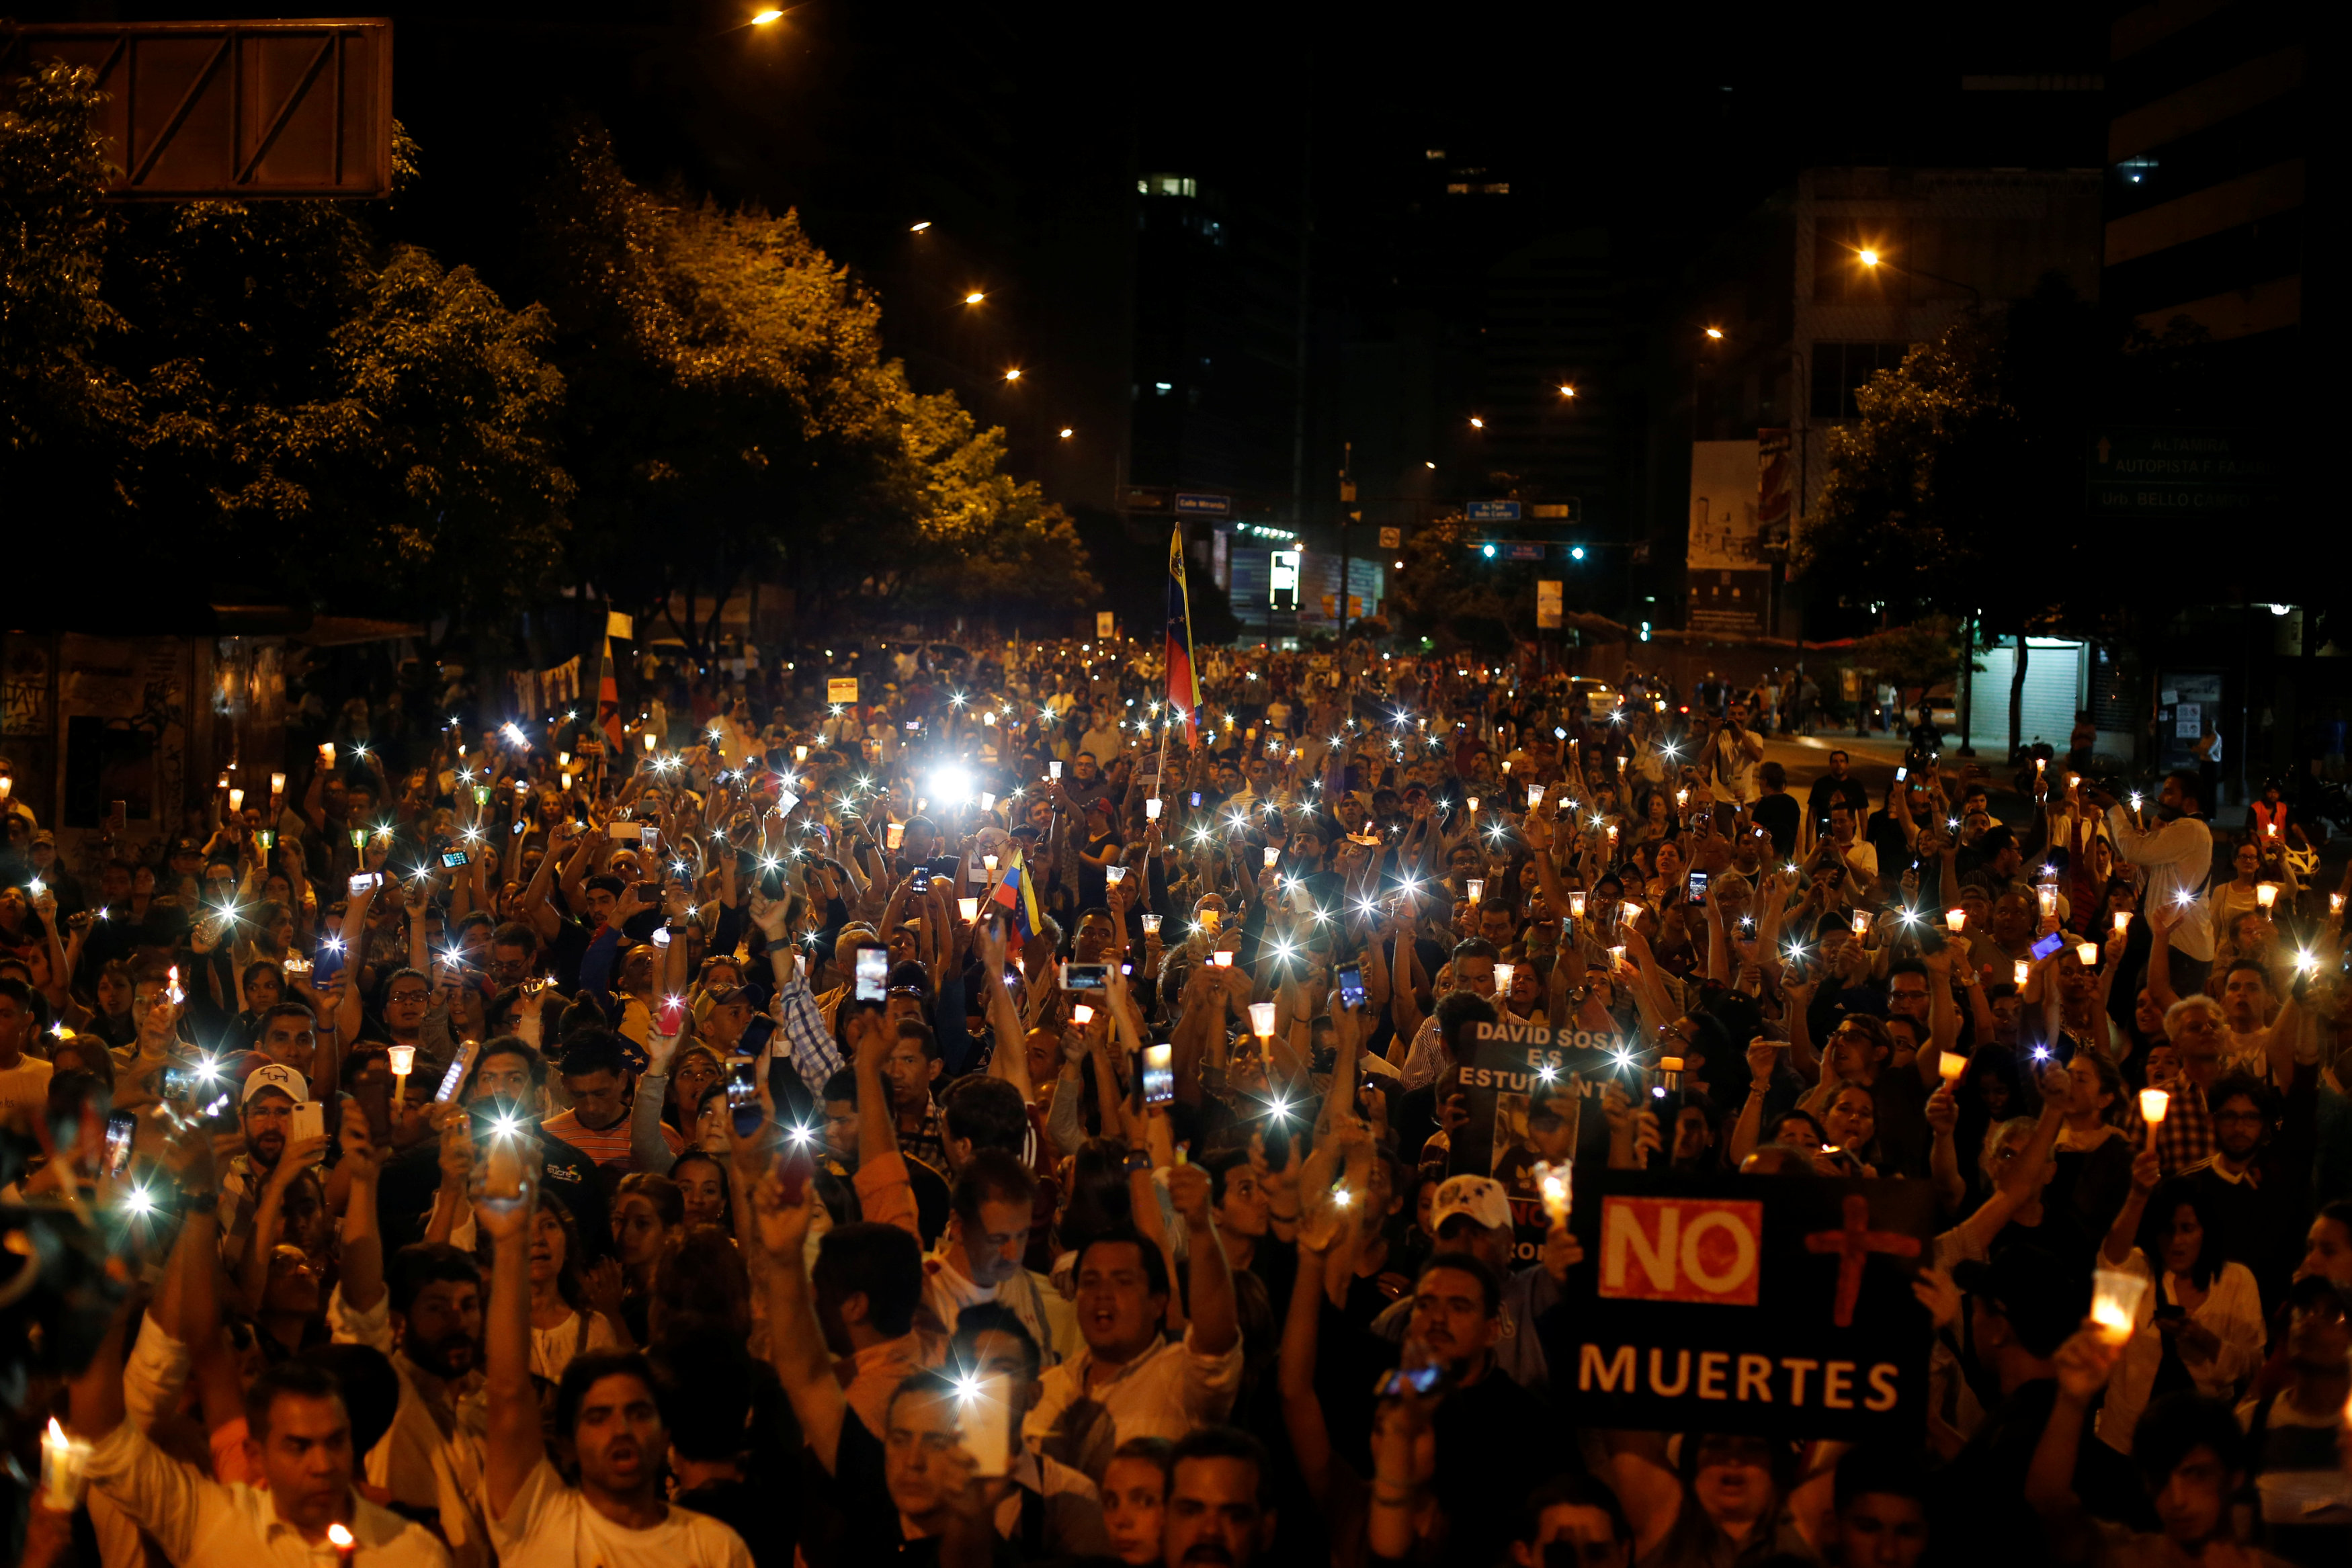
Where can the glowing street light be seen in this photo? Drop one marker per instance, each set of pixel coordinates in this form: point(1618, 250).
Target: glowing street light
point(974, 298)
point(1716, 333)
point(920, 227)
point(1013, 374)
point(1868, 258)
point(1477, 423)
point(1066, 433)
point(1567, 391)
point(765, 17)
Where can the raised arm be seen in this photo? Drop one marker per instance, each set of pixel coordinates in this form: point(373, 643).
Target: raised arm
point(515, 1444)
point(795, 1342)
point(1216, 1323)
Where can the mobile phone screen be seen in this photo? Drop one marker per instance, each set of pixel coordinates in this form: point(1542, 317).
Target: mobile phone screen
point(743, 1098)
point(1085, 976)
point(2049, 945)
point(120, 1128)
point(873, 975)
point(455, 1075)
point(366, 880)
point(921, 880)
point(1159, 1074)
point(1351, 986)
point(1698, 887)
point(453, 858)
point(1196, 799)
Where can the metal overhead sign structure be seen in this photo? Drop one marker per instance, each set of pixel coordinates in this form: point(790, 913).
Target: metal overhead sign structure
point(231, 108)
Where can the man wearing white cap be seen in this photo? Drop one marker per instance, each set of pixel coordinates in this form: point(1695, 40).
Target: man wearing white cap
point(266, 1110)
point(1473, 1215)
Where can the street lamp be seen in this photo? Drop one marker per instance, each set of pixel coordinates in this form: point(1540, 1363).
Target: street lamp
point(765, 17)
point(920, 227)
point(1567, 391)
point(1066, 433)
point(1716, 333)
point(1477, 423)
point(974, 298)
point(1013, 375)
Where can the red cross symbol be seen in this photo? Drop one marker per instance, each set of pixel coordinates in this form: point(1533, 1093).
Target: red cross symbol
point(1853, 1243)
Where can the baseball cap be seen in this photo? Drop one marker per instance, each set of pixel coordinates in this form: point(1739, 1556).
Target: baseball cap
point(277, 1076)
point(1480, 1197)
point(187, 847)
point(2044, 1300)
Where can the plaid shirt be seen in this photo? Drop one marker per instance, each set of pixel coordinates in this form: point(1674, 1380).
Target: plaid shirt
point(2186, 1136)
point(804, 1036)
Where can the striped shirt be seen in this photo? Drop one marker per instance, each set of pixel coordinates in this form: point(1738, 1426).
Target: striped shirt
point(604, 1145)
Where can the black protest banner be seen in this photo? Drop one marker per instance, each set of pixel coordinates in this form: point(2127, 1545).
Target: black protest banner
point(1778, 1304)
point(1528, 1090)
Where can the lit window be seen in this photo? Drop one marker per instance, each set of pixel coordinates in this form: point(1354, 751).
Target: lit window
point(1504, 189)
point(1163, 388)
point(1434, 154)
point(2136, 171)
point(1458, 190)
point(1167, 185)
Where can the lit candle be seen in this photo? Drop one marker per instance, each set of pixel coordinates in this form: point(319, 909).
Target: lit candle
point(1502, 973)
point(2334, 903)
point(1262, 1020)
point(1150, 808)
point(63, 1458)
point(2087, 954)
point(1473, 804)
point(344, 1543)
point(2115, 1298)
point(968, 909)
point(988, 862)
point(403, 1062)
point(2265, 894)
point(2021, 969)
point(1682, 798)
point(1952, 1065)
point(1273, 853)
point(1221, 960)
point(1954, 919)
point(1151, 926)
point(1556, 1184)
point(1617, 956)
point(1082, 1015)
point(1861, 926)
point(359, 837)
point(1473, 888)
point(2122, 920)
point(2154, 1104)
point(2047, 897)
point(224, 782)
point(326, 754)
point(236, 800)
point(1576, 905)
point(1534, 796)
point(1628, 912)
point(649, 740)
point(800, 754)
point(1113, 875)
point(894, 835)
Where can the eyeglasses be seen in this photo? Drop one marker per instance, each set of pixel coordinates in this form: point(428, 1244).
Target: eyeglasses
point(406, 996)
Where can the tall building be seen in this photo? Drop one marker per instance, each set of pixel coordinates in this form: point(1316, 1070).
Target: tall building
point(2206, 153)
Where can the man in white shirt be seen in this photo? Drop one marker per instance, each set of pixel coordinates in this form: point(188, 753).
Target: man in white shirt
point(1130, 1382)
point(979, 1259)
point(299, 1442)
point(2176, 853)
point(24, 1080)
point(607, 1407)
point(1860, 856)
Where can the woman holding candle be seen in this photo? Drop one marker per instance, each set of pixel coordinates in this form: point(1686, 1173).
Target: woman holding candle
point(2200, 1327)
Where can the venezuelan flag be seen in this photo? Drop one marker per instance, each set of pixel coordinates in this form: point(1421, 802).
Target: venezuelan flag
point(1016, 892)
point(1183, 686)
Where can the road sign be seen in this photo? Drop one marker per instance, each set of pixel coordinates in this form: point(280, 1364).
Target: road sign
point(1190, 504)
point(1520, 549)
point(1567, 510)
point(841, 689)
point(1492, 511)
point(1143, 498)
point(2205, 473)
point(1392, 538)
point(231, 108)
point(1548, 604)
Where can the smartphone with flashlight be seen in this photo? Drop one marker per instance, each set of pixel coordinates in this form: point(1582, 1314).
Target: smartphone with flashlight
point(365, 881)
point(1901, 773)
point(872, 976)
point(1159, 1074)
point(179, 1083)
point(2048, 944)
point(120, 1128)
point(743, 1098)
point(1351, 987)
point(456, 1073)
point(985, 1419)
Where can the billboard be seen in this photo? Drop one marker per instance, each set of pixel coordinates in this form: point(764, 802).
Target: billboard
point(1729, 578)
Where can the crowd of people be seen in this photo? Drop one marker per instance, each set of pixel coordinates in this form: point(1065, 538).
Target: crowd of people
point(1015, 1117)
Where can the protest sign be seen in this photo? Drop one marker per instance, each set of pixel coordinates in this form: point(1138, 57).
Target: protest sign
point(841, 689)
point(1773, 1304)
point(1528, 1091)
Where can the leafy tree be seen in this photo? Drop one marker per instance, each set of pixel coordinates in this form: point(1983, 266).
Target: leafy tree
point(731, 411)
point(260, 393)
point(1911, 658)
